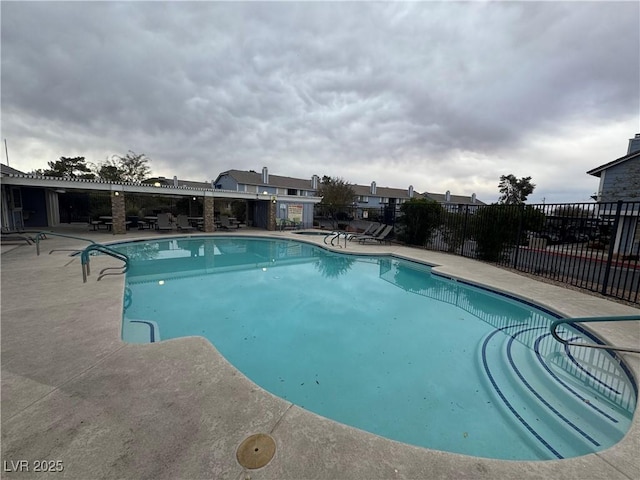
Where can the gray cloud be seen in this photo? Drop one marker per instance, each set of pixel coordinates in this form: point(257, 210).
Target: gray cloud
point(445, 96)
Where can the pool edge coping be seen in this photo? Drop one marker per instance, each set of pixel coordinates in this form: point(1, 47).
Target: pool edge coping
point(437, 268)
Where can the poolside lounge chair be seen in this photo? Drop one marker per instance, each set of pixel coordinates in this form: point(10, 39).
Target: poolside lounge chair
point(372, 231)
point(183, 223)
point(163, 222)
point(381, 237)
point(11, 236)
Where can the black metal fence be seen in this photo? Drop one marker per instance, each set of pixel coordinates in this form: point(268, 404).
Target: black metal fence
point(595, 246)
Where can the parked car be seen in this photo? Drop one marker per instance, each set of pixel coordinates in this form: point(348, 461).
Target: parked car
point(551, 238)
point(344, 216)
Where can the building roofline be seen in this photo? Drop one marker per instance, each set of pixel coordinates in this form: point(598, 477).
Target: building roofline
point(598, 170)
point(6, 169)
point(278, 181)
point(27, 180)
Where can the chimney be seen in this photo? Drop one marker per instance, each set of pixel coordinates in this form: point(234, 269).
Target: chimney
point(265, 175)
point(634, 144)
point(473, 198)
point(410, 191)
point(175, 181)
point(314, 182)
point(373, 188)
point(447, 196)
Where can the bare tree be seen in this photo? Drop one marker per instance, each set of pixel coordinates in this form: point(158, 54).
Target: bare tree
point(132, 167)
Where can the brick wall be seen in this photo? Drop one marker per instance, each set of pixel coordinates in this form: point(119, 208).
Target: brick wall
point(271, 216)
point(118, 213)
point(209, 225)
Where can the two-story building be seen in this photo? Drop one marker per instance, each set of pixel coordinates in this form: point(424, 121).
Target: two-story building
point(620, 178)
point(620, 182)
point(453, 202)
point(370, 200)
point(294, 197)
point(385, 201)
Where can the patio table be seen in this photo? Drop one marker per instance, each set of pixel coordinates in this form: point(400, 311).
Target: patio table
point(152, 221)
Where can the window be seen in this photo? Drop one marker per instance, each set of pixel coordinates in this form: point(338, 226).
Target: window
point(363, 199)
point(292, 191)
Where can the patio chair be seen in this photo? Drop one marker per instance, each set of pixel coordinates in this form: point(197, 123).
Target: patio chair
point(225, 222)
point(381, 237)
point(285, 224)
point(164, 224)
point(183, 223)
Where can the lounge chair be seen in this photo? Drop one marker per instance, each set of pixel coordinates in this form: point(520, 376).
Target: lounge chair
point(183, 223)
point(9, 236)
point(164, 224)
point(381, 237)
point(372, 231)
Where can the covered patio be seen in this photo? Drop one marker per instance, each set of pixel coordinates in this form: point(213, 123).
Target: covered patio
point(33, 202)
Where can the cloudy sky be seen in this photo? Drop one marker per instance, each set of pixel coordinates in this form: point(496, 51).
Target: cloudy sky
point(438, 95)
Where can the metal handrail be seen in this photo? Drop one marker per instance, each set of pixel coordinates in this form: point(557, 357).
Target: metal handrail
point(42, 235)
point(335, 236)
point(337, 239)
point(84, 258)
point(623, 318)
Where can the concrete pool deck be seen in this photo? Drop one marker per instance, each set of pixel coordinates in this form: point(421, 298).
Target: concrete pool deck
point(74, 392)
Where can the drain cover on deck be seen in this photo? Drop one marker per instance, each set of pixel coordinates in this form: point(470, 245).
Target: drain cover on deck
point(256, 451)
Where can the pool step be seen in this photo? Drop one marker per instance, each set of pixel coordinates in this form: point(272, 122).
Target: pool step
point(140, 331)
point(549, 395)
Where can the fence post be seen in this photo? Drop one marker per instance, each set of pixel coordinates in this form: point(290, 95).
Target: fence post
point(612, 244)
point(515, 257)
point(464, 229)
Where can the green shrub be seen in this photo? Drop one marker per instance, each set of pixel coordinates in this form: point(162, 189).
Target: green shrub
point(498, 227)
point(420, 218)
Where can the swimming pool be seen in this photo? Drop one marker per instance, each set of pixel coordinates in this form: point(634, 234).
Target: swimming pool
point(382, 344)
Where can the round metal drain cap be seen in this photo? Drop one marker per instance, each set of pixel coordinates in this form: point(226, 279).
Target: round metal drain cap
point(256, 451)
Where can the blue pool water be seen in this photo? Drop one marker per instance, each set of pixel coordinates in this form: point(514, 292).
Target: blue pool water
point(383, 345)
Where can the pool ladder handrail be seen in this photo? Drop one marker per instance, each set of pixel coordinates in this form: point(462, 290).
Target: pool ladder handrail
point(84, 254)
point(335, 237)
point(43, 235)
point(623, 318)
point(86, 269)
